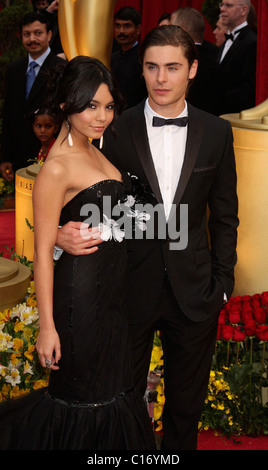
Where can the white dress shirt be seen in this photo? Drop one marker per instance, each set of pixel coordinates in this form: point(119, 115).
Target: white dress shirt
point(229, 42)
point(167, 145)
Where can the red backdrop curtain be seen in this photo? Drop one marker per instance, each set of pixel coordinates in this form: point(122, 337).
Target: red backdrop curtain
point(152, 10)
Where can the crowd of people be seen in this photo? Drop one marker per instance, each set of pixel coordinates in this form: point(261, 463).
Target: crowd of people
point(101, 304)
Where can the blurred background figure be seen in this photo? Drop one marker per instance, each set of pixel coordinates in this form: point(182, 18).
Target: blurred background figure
point(236, 76)
point(26, 84)
point(164, 19)
point(125, 63)
point(219, 32)
point(45, 127)
point(202, 91)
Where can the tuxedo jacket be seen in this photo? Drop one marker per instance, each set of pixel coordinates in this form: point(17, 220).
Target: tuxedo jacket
point(202, 271)
point(19, 141)
point(236, 74)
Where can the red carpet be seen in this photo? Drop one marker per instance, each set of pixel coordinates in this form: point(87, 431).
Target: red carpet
point(209, 441)
point(7, 231)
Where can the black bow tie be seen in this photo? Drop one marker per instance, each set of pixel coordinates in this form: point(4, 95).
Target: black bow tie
point(181, 122)
point(229, 36)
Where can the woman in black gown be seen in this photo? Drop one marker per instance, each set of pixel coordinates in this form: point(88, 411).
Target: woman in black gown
point(90, 403)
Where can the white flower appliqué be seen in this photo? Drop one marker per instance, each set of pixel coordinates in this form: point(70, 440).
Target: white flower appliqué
point(110, 229)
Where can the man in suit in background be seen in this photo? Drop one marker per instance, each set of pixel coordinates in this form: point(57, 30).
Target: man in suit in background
point(236, 76)
point(202, 92)
point(25, 91)
point(179, 289)
point(125, 63)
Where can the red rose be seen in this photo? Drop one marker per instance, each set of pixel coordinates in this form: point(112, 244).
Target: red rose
point(255, 302)
point(239, 335)
point(246, 305)
point(262, 332)
point(246, 315)
point(259, 314)
point(250, 328)
point(227, 332)
point(264, 297)
point(222, 318)
point(235, 302)
point(234, 316)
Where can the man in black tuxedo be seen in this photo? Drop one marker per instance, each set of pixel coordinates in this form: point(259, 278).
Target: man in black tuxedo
point(19, 141)
point(236, 77)
point(202, 92)
point(177, 286)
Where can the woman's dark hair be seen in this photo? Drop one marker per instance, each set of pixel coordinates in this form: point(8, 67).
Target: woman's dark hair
point(170, 35)
point(75, 84)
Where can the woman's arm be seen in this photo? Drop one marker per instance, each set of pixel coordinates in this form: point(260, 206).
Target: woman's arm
point(48, 195)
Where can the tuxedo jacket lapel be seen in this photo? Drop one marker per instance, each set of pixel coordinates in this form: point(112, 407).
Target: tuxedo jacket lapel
point(234, 46)
point(194, 136)
point(137, 126)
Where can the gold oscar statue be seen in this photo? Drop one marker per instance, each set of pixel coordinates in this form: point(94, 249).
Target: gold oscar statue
point(250, 130)
point(86, 28)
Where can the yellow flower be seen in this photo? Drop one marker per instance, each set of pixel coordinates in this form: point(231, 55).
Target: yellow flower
point(157, 354)
point(17, 392)
point(29, 352)
point(27, 334)
point(13, 378)
point(18, 343)
point(159, 426)
point(18, 326)
point(27, 370)
point(5, 315)
point(14, 359)
point(31, 289)
point(31, 301)
point(6, 389)
point(5, 341)
point(40, 384)
point(220, 406)
point(158, 409)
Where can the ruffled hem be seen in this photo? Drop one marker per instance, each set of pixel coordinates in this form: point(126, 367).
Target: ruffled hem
point(40, 422)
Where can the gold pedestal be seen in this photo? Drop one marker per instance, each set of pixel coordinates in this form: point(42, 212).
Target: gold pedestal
point(24, 236)
point(251, 153)
point(14, 282)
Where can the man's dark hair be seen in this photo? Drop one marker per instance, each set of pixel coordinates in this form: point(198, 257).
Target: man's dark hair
point(170, 35)
point(128, 13)
point(31, 17)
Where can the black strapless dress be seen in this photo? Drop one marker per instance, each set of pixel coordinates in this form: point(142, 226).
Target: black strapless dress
point(90, 403)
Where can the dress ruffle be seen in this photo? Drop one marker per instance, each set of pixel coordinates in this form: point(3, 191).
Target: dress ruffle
point(51, 424)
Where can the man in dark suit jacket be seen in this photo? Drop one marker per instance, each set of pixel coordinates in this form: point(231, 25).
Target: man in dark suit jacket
point(19, 141)
point(202, 92)
point(125, 63)
point(236, 75)
point(178, 286)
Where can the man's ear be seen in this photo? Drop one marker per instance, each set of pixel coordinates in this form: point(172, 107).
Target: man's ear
point(193, 69)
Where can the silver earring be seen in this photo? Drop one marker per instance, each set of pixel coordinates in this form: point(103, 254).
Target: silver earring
point(101, 142)
point(69, 137)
